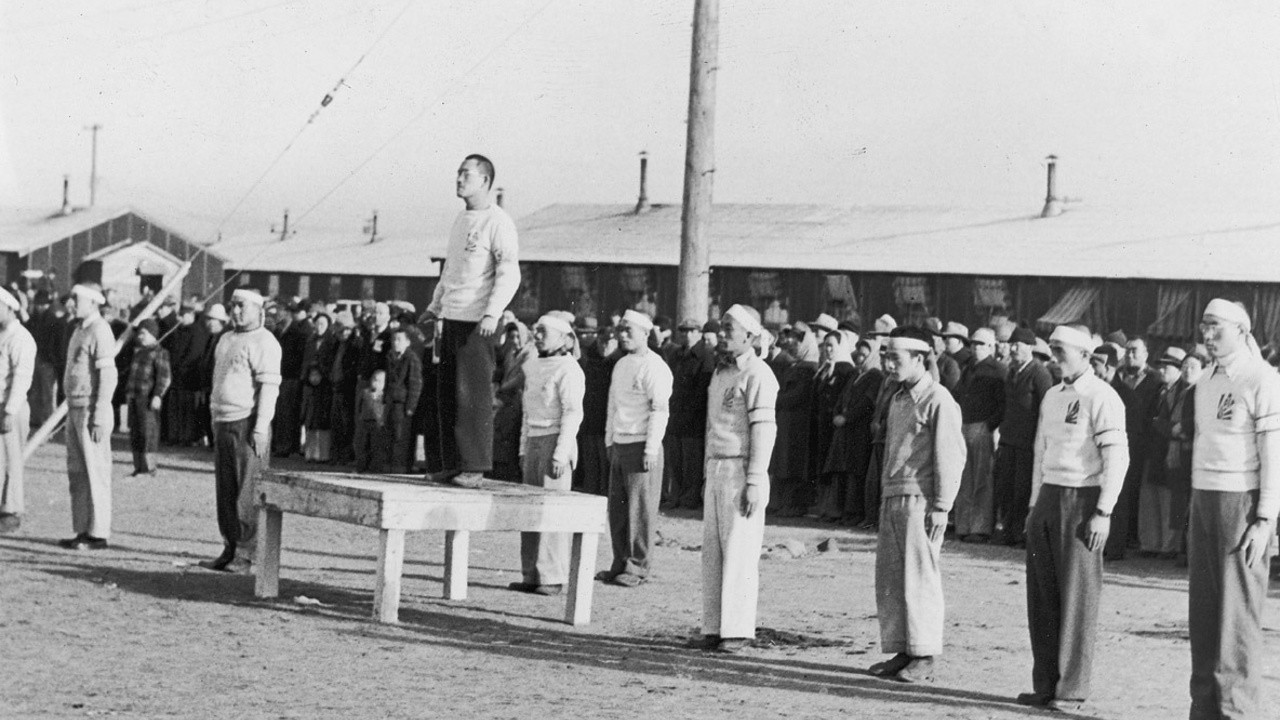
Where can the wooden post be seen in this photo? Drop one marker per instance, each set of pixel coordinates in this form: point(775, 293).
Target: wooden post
point(699, 164)
point(270, 520)
point(457, 548)
point(386, 594)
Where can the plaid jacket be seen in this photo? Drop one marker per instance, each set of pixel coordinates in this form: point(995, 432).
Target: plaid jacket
point(150, 373)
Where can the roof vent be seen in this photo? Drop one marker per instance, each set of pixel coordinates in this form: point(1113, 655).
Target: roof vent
point(642, 205)
point(1052, 203)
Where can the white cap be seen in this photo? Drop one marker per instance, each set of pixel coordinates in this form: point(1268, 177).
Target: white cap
point(551, 322)
point(216, 312)
point(249, 296)
point(89, 293)
point(7, 298)
point(747, 319)
point(638, 319)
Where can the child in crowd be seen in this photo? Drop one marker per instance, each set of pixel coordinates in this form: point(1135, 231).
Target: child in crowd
point(315, 418)
point(371, 420)
point(149, 379)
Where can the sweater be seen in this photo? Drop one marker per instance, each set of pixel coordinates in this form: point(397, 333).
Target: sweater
point(639, 401)
point(481, 268)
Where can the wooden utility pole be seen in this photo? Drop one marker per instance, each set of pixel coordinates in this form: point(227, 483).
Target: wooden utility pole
point(699, 164)
point(93, 164)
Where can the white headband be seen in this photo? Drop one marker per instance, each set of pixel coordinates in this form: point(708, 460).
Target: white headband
point(744, 318)
point(7, 298)
point(251, 296)
point(1064, 335)
point(551, 322)
point(85, 291)
point(638, 319)
point(1230, 312)
point(908, 343)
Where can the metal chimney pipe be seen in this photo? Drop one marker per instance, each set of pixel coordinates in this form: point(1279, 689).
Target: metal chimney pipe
point(66, 194)
point(642, 205)
point(284, 232)
point(1052, 204)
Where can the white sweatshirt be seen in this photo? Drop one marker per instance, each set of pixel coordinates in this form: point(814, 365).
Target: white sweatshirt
point(639, 401)
point(481, 269)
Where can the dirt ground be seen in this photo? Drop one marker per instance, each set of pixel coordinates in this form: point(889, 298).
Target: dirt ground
point(138, 631)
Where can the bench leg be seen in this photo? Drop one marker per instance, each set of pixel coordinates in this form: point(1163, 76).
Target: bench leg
point(582, 568)
point(386, 595)
point(267, 584)
point(456, 549)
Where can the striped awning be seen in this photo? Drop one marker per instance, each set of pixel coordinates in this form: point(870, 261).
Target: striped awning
point(1175, 317)
point(1072, 307)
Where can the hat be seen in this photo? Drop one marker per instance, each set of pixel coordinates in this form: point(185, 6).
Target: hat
point(690, 324)
point(345, 319)
point(849, 326)
point(638, 319)
point(884, 325)
point(248, 296)
point(1118, 337)
point(1072, 337)
point(1106, 352)
point(89, 292)
point(933, 325)
point(1173, 355)
point(1024, 336)
point(824, 322)
point(1040, 347)
point(7, 298)
point(1004, 332)
point(151, 326)
point(555, 321)
point(984, 336)
point(42, 297)
point(586, 324)
point(746, 317)
point(956, 330)
point(711, 326)
point(216, 312)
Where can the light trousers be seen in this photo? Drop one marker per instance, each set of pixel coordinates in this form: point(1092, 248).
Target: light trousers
point(89, 474)
point(731, 545)
point(544, 557)
point(975, 503)
point(12, 444)
point(909, 599)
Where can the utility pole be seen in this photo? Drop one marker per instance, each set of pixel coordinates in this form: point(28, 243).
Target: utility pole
point(699, 164)
point(93, 164)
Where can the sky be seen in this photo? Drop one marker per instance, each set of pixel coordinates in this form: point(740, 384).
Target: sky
point(204, 104)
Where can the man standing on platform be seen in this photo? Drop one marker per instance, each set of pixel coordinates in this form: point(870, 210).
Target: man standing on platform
point(923, 460)
point(481, 274)
point(17, 366)
point(639, 407)
point(89, 380)
point(1235, 495)
point(741, 430)
point(246, 384)
point(1081, 455)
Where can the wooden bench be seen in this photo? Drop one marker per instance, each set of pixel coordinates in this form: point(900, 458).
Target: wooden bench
point(395, 504)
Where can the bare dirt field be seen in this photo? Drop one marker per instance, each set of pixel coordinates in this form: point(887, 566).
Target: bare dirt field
point(137, 631)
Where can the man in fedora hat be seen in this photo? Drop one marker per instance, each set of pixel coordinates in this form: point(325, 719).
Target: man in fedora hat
point(1235, 496)
point(823, 325)
point(945, 368)
point(955, 340)
point(1024, 388)
point(1156, 534)
point(981, 397)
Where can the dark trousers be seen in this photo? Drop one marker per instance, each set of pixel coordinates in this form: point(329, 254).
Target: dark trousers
point(592, 473)
point(684, 467)
point(236, 469)
point(370, 447)
point(464, 387)
point(402, 448)
point(1225, 601)
point(633, 507)
point(1124, 518)
point(342, 437)
point(286, 426)
point(144, 434)
point(1012, 474)
point(43, 395)
point(1064, 582)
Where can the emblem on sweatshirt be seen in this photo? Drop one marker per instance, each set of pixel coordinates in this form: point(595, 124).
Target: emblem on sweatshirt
point(473, 241)
point(730, 398)
point(1226, 406)
point(1073, 413)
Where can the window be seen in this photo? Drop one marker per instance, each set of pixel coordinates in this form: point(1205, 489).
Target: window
point(335, 288)
point(273, 285)
point(304, 286)
point(400, 289)
point(367, 289)
point(245, 280)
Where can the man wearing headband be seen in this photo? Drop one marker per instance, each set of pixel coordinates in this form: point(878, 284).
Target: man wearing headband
point(1081, 455)
point(1235, 495)
point(88, 381)
point(740, 434)
point(17, 366)
point(554, 386)
point(246, 383)
point(639, 406)
point(1024, 389)
point(923, 460)
point(480, 277)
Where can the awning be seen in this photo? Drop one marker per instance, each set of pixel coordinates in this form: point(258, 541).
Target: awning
point(1070, 308)
point(840, 289)
point(764, 285)
point(990, 293)
point(1266, 320)
point(1174, 314)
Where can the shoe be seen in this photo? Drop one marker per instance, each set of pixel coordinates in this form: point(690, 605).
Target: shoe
point(1033, 699)
point(606, 575)
point(469, 480)
point(443, 476)
point(239, 566)
point(72, 543)
point(9, 523)
point(627, 580)
point(547, 589)
point(919, 670)
point(84, 541)
point(733, 646)
point(1065, 705)
point(890, 667)
point(522, 587)
point(218, 563)
point(707, 642)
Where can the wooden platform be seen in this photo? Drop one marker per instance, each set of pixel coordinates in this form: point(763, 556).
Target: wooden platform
point(395, 504)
